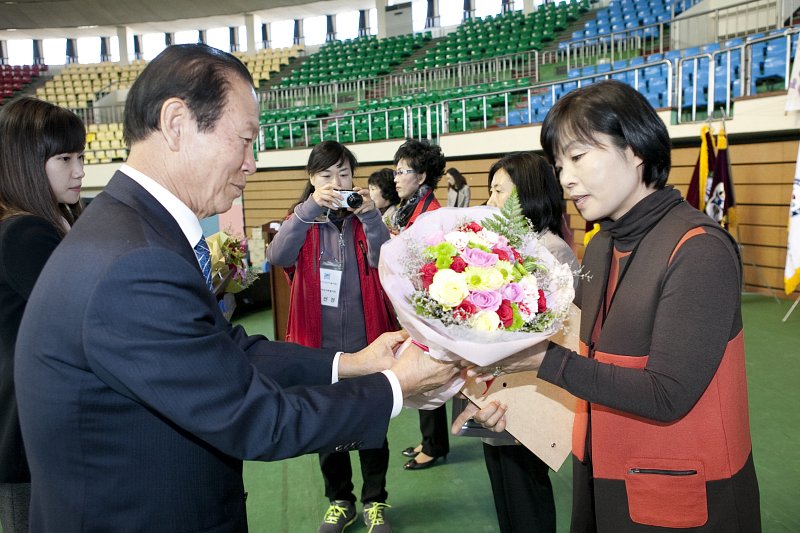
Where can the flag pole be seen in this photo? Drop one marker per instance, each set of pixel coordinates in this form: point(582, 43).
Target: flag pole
point(791, 309)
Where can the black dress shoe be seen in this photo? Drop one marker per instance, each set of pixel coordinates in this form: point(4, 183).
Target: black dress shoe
point(410, 452)
point(414, 465)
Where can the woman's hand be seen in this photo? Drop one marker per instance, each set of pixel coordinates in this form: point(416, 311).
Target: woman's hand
point(367, 204)
point(493, 417)
point(327, 196)
point(526, 360)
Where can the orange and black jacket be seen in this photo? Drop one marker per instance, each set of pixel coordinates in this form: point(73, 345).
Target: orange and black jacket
point(662, 432)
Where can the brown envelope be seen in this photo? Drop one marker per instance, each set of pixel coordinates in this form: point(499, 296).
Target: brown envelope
point(539, 413)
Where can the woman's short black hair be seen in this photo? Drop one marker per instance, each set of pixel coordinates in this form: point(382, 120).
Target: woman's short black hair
point(619, 111)
point(423, 157)
point(458, 178)
point(322, 157)
point(540, 194)
point(384, 180)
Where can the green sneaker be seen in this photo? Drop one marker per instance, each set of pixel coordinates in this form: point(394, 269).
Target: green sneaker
point(374, 519)
point(339, 515)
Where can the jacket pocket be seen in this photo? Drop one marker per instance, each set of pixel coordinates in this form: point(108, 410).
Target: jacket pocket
point(666, 492)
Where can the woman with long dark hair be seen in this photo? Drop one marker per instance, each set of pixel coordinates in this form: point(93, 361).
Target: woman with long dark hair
point(457, 188)
point(523, 494)
point(41, 167)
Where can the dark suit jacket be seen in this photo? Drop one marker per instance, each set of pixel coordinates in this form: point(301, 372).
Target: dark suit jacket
point(138, 401)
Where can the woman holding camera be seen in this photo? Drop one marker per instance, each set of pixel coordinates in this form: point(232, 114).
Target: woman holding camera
point(329, 246)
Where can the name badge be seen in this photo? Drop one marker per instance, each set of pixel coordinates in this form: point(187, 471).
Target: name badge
point(330, 282)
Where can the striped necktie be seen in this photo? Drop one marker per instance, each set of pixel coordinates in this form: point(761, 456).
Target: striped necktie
point(204, 258)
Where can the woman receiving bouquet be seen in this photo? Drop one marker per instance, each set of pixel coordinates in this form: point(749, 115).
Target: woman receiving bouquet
point(661, 436)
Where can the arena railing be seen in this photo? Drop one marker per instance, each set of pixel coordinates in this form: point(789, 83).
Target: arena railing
point(520, 64)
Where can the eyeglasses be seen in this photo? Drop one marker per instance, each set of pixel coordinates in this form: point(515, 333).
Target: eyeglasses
point(404, 171)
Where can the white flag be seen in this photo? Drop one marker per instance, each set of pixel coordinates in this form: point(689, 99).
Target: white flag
point(791, 275)
point(793, 95)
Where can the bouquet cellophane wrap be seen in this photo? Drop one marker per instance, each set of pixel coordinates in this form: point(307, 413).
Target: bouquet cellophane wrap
point(450, 343)
point(540, 414)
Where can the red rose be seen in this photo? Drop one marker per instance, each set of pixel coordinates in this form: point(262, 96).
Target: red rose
point(427, 272)
point(501, 254)
point(506, 313)
point(516, 255)
point(465, 310)
point(474, 227)
point(542, 301)
point(458, 264)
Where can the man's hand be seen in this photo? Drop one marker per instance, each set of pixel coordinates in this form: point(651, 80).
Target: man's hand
point(376, 357)
point(419, 372)
point(493, 417)
point(524, 361)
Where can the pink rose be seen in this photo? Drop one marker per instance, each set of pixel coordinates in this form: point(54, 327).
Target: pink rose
point(485, 300)
point(513, 292)
point(478, 258)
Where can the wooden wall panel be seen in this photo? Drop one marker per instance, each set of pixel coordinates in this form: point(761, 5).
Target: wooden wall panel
point(762, 174)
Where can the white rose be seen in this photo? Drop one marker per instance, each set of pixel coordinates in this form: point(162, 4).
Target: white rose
point(449, 288)
point(485, 321)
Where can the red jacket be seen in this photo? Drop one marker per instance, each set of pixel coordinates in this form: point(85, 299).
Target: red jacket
point(305, 310)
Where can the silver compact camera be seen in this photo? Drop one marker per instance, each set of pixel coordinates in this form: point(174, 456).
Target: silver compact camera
point(350, 199)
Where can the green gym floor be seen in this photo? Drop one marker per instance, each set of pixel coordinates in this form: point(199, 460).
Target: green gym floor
point(287, 496)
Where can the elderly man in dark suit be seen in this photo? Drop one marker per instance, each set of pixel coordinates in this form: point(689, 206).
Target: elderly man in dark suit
point(138, 401)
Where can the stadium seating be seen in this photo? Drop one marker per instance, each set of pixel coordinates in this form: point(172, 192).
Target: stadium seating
point(353, 59)
point(14, 79)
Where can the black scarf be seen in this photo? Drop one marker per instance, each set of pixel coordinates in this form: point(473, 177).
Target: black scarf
point(406, 209)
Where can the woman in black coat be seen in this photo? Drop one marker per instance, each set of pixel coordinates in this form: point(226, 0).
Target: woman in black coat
point(41, 167)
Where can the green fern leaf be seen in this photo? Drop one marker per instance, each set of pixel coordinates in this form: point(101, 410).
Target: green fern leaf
point(510, 222)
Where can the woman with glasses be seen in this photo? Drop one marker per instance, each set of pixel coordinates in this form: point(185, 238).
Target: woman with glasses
point(418, 168)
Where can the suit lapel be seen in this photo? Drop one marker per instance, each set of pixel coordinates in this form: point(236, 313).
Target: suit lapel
point(125, 190)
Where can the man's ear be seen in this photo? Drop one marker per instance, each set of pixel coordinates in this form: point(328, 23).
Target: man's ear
point(174, 119)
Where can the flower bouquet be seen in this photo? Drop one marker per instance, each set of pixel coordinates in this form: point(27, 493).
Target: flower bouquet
point(229, 270)
point(474, 284)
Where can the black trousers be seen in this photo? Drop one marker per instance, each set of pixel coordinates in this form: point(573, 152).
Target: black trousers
point(523, 494)
point(338, 474)
point(435, 431)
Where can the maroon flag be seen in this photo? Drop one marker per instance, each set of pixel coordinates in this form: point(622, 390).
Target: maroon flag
point(721, 203)
point(702, 170)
